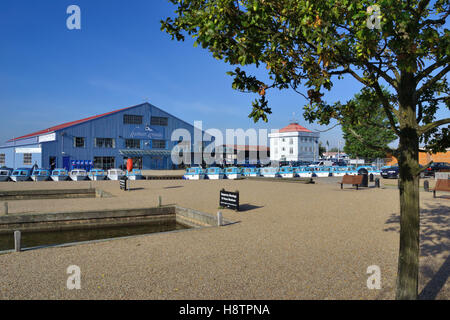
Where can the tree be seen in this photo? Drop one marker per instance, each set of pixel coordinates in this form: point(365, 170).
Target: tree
point(322, 149)
point(309, 44)
point(368, 121)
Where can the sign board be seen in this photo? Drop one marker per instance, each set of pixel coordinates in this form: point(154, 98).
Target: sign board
point(28, 150)
point(147, 132)
point(123, 184)
point(47, 137)
point(229, 199)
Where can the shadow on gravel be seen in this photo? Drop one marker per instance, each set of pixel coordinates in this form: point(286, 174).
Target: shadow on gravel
point(434, 243)
point(248, 207)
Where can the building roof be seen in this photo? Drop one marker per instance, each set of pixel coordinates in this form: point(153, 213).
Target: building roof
point(68, 124)
point(294, 127)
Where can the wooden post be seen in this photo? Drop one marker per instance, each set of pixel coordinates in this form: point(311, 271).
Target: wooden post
point(17, 237)
point(219, 218)
point(159, 201)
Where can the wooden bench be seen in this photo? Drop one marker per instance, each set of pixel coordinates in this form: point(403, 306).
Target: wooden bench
point(354, 180)
point(441, 185)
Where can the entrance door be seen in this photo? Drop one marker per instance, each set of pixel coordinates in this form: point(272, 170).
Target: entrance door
point(52, 163)
point(66, 163)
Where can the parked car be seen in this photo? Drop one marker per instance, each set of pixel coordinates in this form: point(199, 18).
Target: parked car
point(436, 167)
point(391, 172)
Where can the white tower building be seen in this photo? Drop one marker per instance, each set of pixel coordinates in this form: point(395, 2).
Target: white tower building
point(294, 143)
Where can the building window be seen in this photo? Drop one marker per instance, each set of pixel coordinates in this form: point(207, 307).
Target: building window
point(158, 144)
point(104, 163)
point(275, 142)
point(2, 159)
point(291, 150)
point(27, 158)
point(283, 140)
point(105, 143)
point(78, 142)
point(291, 141)
point(132, 119)
point(132, 143)
point(159, 121)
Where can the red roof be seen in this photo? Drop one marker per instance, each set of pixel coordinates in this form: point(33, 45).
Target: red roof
point(294, 127)
point(67, 124)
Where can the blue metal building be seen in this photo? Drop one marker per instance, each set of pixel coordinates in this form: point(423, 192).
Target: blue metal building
point(141, 132)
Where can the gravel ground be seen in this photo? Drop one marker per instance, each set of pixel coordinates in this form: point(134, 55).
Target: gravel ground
point(292, 241)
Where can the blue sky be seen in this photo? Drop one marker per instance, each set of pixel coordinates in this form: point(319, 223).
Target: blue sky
point(50, 75)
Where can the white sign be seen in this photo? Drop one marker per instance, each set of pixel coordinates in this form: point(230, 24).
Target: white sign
point(28, 150)
point(47, 137)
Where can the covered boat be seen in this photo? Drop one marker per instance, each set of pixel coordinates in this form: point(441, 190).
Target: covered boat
point(5, 173)
point(233, 173)
point(78, 174)
point(40, 175)
point(303, 172)
point(270, 172)
point(321, 171)
point(135, 174)
point(195, 173)
point(21, 174)
point(287, 172)
point(59, 175)
point(97, 174)
point(251, 172)
point(339, 171)
point(115, 174)
point(214, 173)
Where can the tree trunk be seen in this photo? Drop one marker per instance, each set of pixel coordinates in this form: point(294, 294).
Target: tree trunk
point(408, 159)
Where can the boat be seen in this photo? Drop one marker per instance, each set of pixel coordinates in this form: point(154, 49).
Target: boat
point(270, 172)
point(251, 172)
point(351, 171)
point(135, 174)
point(287, 172)
point(40, 175)
point(97, 174)
point(195, 173)
point(303, 172)
point(21, 174)
point(5, 173)
point(115, 174)
point(339, 171)
point(233, 173)
point(214, 173)
point(59, 175)
point(321, 171)
point(78, 174)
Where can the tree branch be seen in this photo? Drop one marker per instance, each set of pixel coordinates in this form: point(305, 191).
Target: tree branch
point(371, 146)
point(432, 81)
point(425, 128)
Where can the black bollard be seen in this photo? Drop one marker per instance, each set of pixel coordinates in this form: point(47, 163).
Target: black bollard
point(426, 185)
point(377, 182)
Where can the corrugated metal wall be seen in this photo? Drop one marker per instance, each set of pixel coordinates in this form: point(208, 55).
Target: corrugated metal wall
point(110, 126)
